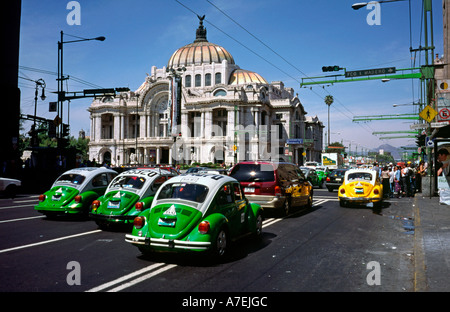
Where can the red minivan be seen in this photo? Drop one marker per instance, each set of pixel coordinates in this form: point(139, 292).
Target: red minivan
point(274, 185)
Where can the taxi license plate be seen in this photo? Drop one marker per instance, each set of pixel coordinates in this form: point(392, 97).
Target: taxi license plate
point(249, 189)
point(164, 222)
point(114, 205)
point(359, 191)
point(56, 197)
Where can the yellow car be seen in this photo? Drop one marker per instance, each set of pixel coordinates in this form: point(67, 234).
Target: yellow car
point(360, 186)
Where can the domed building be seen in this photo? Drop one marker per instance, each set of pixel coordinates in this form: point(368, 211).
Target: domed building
point(199, 108)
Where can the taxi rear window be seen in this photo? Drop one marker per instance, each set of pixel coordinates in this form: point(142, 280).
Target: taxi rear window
point(187, 191)
point(253, 173)
point(71, 178)
point(132, 182)
point(360, 176)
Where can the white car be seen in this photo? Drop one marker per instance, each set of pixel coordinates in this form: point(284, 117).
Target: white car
point(8, 187)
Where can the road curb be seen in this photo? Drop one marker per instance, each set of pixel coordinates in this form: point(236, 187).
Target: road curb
point(420, 279)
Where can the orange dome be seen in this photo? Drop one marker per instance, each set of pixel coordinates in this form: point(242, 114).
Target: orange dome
point(242, 76)
point(199, 52)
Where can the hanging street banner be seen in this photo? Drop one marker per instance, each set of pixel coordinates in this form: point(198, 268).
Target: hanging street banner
point(370, 72)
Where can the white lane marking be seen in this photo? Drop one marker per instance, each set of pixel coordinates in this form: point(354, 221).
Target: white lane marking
point(142, 278)
point(48, 241)
point(21, 219)
point(124, 278)
point(18, 206)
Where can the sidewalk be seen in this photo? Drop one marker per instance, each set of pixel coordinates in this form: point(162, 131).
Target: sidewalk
point(431, 244)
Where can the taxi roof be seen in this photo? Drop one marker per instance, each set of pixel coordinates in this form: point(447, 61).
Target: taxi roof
point(208, 179)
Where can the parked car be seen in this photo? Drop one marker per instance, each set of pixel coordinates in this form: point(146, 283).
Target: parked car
point(311, 176)
point(196, 212)
point(274, 185)
point(335, 179)
point(360, 186)
point(74, 191)
point(130, 193)
point(9, 187)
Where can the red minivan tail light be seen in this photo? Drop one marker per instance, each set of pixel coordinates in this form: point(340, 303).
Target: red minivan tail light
point(277, 191)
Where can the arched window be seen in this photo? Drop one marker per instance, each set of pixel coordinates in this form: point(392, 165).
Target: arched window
point(220, 92)
point(207, 79)
point(187, 81)
point(218, 78)
point(198, 80)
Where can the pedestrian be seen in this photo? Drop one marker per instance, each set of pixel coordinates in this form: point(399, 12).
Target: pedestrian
point(421, 171)
point(442, 165)
point(391, 180)
point(397, 182)
point(406, 179)
point(385, 181)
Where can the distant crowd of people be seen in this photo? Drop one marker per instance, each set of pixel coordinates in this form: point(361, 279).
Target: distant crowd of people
point(402, 180)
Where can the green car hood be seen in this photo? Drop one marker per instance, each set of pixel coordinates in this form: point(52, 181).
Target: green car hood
point(173, 221)
point(117, 202)
point(59, 196)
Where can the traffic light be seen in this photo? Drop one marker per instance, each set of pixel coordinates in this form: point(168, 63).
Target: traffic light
point(65, 130)
point(420, 141)
point(331, 68)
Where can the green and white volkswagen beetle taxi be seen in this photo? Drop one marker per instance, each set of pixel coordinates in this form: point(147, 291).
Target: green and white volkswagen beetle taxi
point(73, 192)
point(130, 193)
point(196, 212)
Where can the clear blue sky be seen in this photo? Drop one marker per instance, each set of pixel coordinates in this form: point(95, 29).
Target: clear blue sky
point(283, 40)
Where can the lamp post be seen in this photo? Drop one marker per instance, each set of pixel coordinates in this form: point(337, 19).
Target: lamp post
point(175, 106)
point(61, 78)
point(329, 100)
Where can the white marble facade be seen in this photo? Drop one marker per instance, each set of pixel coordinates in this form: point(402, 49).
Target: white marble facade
point(228, 114)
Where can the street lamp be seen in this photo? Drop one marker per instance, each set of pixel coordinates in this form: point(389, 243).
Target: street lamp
point(61, 78)
point(329, 100)
point(360, 5)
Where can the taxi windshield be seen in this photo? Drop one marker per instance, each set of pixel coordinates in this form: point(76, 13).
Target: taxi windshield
point(187, 191)
point(128, 181)
point(71, 178)
point(366, 176)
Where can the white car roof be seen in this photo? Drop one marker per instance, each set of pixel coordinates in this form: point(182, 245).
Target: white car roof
point(212, 181)
point(88, 172)
point(148, 174)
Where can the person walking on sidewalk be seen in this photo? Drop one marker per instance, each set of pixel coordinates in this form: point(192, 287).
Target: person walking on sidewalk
point(385, 181)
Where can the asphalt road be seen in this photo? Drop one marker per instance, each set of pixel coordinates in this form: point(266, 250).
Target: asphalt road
point(325, 249)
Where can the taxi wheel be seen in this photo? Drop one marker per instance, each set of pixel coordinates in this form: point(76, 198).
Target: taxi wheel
point(221, 244)
point(310, 202)
point(342, 203)
point(287, 206)
point(259, 226)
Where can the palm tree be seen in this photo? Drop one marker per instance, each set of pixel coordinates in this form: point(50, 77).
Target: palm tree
point(329, 100)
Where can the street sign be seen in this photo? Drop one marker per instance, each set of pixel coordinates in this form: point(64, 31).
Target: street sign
point(370, 72)
point(294, 141)
point(428, 113)
point(429, 142)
